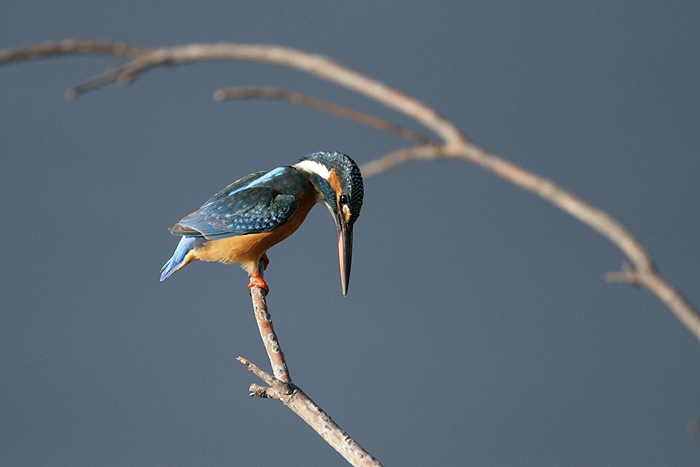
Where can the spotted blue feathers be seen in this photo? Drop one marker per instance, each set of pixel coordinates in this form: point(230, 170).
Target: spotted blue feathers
point(259, 202)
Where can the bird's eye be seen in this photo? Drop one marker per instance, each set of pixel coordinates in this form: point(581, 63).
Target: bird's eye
point(343, 199)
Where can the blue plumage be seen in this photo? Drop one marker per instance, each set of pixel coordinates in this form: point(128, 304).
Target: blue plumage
point(241, 222)
point(259, 202)
point(173, 264)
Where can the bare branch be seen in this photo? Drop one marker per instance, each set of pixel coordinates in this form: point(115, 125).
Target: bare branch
point(642, 273)
point(71, 46)
point(555, 194)
point(283, 387)
point(390, 161)
point(267, 332)
point(259, 92)
point(313, 64)
point(668, 295)
point(95, 82)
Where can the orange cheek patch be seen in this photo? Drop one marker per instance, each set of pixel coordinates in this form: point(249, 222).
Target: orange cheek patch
point(334, 181)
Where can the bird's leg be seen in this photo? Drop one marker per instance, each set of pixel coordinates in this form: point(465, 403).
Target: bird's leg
point(265, 260)
point(256, 280)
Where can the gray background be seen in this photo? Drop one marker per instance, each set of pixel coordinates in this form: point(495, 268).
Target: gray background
point(478, 328)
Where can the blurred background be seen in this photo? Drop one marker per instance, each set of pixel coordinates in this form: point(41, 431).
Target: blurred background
point(478, 329)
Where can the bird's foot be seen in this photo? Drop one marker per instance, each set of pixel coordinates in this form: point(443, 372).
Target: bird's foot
point(256, 280)
point(265, 260)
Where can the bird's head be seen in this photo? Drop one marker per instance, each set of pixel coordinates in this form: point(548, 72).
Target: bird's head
point(339, 186)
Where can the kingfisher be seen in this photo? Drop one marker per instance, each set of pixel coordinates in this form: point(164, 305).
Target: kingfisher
point(245, 219)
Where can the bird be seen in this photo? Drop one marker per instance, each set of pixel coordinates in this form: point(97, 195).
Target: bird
point(251, 215)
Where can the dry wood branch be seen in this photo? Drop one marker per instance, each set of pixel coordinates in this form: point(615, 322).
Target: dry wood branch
point(268, 334)
point(71, 46)
point(302, 405)
point(313, 64)
point(455, 144)
point(259, 92)
point(389, 161)
point(642, 272)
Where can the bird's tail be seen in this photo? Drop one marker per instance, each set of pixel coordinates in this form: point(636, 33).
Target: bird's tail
point(175, 263)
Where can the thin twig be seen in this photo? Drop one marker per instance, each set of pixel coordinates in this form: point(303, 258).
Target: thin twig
point(393, 159)
point(72, 46)
point(260, 92)
point(103, 79)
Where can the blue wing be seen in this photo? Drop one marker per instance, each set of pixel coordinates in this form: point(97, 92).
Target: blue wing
point(246, 206)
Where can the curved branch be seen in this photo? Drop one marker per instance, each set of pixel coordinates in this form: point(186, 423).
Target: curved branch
point(260, 92)
point(455, 144)
point(642, 273)
point(313, 64)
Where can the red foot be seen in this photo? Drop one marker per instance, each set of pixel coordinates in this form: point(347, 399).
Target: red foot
point(257, 281)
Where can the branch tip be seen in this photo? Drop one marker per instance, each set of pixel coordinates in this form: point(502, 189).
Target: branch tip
point(253, 368)
point(628, 274)
point(70, 94)
point(243, 360)
point(219, 95)
point(262, 392)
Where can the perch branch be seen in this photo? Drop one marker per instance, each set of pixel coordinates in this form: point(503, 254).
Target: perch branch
point(267, 332)
point(454, 143)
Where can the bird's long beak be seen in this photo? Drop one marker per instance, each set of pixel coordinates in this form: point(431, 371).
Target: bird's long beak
point(344, 251)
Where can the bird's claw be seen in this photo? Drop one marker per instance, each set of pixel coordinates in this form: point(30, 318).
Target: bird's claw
point(256, 280)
